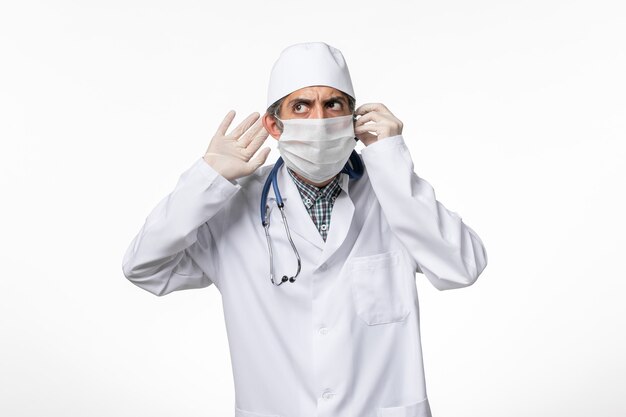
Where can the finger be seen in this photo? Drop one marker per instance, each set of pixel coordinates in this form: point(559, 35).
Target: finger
point(245, 140)
point(257, 141)
point(244, 125)
point(259, 159)
point(375, 128)
point(367, 138)
point(368, 107)
point(221, 130)
point(369, 117)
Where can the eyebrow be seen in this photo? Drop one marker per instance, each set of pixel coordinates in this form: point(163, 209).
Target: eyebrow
point(309, 101)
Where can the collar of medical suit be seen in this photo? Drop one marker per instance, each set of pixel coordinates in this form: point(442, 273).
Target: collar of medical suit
point(311, 193)
point(308, 64)
point(299, 220)
point(291, 189)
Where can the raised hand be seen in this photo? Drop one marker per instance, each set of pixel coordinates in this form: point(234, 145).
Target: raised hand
point(383, 123)
point(231, 155)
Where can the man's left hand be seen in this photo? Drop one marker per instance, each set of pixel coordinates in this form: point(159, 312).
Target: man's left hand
point(384, 123)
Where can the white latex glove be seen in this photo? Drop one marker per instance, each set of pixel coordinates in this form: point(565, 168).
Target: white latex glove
point(231, 154)
point(375, 118)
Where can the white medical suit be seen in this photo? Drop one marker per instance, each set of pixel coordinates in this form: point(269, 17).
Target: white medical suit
point(344, 339)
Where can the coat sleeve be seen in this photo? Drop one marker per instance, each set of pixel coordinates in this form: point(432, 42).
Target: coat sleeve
point(175, 248)
point(447, 251)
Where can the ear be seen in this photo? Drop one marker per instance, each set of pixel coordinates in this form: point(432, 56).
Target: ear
point(269, 123)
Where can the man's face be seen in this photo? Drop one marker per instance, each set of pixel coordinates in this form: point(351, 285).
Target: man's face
point(315, 102)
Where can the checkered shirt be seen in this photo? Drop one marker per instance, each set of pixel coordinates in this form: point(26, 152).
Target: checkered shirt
point(318, 201)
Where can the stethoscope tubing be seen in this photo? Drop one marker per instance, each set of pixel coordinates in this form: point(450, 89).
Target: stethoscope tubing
point(354, 172)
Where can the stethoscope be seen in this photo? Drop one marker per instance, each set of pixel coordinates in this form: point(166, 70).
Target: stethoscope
point(354, 171)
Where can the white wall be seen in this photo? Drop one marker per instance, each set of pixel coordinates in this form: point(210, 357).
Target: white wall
point(514, 111)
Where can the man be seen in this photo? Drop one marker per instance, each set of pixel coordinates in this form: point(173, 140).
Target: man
point(340, 338)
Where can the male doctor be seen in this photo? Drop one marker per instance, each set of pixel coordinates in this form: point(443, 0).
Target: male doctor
point(334, 331)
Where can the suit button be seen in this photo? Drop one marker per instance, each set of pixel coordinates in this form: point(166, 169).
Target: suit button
point(323, 330)
point(327, 395)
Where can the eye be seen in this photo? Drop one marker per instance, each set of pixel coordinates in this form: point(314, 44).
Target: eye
point(335, 102)
point(298, 106)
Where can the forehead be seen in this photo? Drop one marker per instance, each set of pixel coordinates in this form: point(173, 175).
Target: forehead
point(316, 91)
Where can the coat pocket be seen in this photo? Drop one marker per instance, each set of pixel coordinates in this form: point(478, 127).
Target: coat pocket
point(243, 413)
point(418, 409)
point(378, 286)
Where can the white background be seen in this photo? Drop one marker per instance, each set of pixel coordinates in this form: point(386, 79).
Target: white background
point(515, 111)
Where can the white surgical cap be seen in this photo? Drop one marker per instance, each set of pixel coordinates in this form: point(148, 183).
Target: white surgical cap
point(307, 64)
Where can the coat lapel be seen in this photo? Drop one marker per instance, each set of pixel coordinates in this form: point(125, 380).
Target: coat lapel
point(298, 218)
point(300, 222)
point(340, 221)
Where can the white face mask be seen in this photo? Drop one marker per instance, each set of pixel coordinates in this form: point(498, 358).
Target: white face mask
point(317, 149)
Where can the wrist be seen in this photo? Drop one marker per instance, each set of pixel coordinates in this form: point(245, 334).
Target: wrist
point(213, 160)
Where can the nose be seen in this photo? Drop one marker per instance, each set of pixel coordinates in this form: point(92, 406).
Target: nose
point(317, 112)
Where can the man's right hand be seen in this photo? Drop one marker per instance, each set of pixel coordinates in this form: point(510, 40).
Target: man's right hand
point(231, 154)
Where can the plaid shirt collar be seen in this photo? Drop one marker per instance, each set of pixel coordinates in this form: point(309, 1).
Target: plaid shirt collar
point(310, 193)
